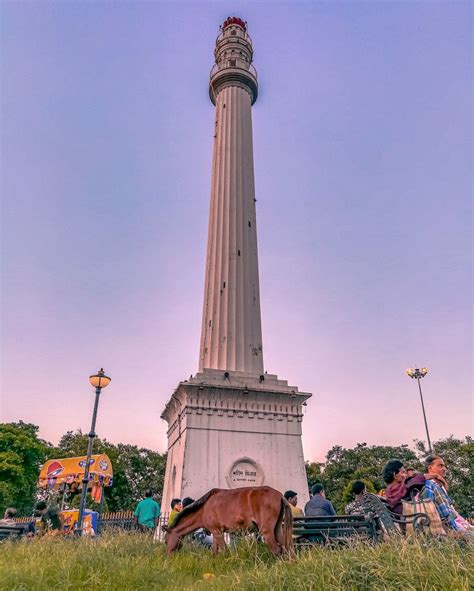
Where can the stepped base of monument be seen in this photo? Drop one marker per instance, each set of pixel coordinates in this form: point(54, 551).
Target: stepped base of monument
point(227, 431)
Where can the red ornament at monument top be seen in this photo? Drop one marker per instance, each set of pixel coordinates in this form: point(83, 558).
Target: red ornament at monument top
point(234, 20)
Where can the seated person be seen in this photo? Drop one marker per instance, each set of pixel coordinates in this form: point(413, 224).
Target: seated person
point(318, 505)
point(356, 507)
point(9, 517)
point(292, 498)
point(398, 485)
point(394, 475)
point(48, 519)
point(176, 507)
point(436, 490)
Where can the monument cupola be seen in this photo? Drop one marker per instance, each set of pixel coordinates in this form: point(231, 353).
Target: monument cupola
point(234, 55)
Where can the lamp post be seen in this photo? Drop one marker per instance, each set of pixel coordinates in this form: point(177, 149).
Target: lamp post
point(417, 374)
point(98, 381)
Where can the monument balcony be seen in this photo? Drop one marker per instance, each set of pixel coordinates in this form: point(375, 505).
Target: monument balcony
point(247, 68)
point(221, 77)
point(227, 35)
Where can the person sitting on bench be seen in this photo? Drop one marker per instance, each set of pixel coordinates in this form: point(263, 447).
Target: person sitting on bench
point(399, 486)
point(318, 505)
point(356, 507)
point(292, 497)
point(48, 519)
point(436, 490)
point(9, 517)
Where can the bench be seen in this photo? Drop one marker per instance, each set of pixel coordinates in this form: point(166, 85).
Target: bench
point(392, 524)
point(13, 531)
point(335, 529)
point(377, 523)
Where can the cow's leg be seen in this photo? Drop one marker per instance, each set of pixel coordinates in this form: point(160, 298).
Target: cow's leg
point(222, 544)
point(173, 542)
point(281, 538)
point(279, 535)
point(218, 542)
point(271, 541)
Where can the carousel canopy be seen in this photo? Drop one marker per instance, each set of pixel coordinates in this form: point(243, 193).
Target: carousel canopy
point(71, 470)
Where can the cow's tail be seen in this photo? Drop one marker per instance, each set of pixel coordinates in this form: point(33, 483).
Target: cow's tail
point(285, 528)
point(288, 531)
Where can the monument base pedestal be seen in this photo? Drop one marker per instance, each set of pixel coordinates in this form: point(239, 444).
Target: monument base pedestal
point(229, 429)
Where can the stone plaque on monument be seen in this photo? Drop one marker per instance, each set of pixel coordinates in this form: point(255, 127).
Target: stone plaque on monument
point(245, 472)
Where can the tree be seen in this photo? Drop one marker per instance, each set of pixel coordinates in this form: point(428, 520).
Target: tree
point(21, 456)
point(362, 462)
point(143, 470)
point(458, 455)
point(136, 470)
point(313, 473)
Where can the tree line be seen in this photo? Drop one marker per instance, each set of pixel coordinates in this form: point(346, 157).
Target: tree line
point(137, 469)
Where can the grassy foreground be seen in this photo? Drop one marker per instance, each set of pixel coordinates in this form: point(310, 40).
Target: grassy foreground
point(132, 561)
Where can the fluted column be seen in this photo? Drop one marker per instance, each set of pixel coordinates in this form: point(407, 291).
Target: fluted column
point(231, 337)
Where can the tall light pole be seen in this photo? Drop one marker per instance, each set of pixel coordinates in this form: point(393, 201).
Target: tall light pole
point(417, 374)
point(98, 381)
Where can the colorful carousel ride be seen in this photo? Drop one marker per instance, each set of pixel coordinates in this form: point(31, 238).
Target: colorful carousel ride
point(64, 477)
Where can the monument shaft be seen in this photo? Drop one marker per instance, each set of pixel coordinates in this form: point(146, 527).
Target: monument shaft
point(231, 336)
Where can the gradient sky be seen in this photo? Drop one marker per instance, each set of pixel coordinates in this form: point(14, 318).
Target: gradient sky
point(362, 149)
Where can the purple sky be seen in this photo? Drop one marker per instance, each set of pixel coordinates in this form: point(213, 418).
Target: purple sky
point(362, 161)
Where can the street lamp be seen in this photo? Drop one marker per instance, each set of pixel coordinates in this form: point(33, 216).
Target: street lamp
point(417, 374)
point(98, 381)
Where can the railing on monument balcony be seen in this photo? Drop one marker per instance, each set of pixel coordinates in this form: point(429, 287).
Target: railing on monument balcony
point(218, 68)
point(246, 36)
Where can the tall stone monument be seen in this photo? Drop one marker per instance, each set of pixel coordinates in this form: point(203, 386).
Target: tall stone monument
point(232, 424)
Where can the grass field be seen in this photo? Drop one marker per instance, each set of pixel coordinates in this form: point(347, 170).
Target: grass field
point(132, 561)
